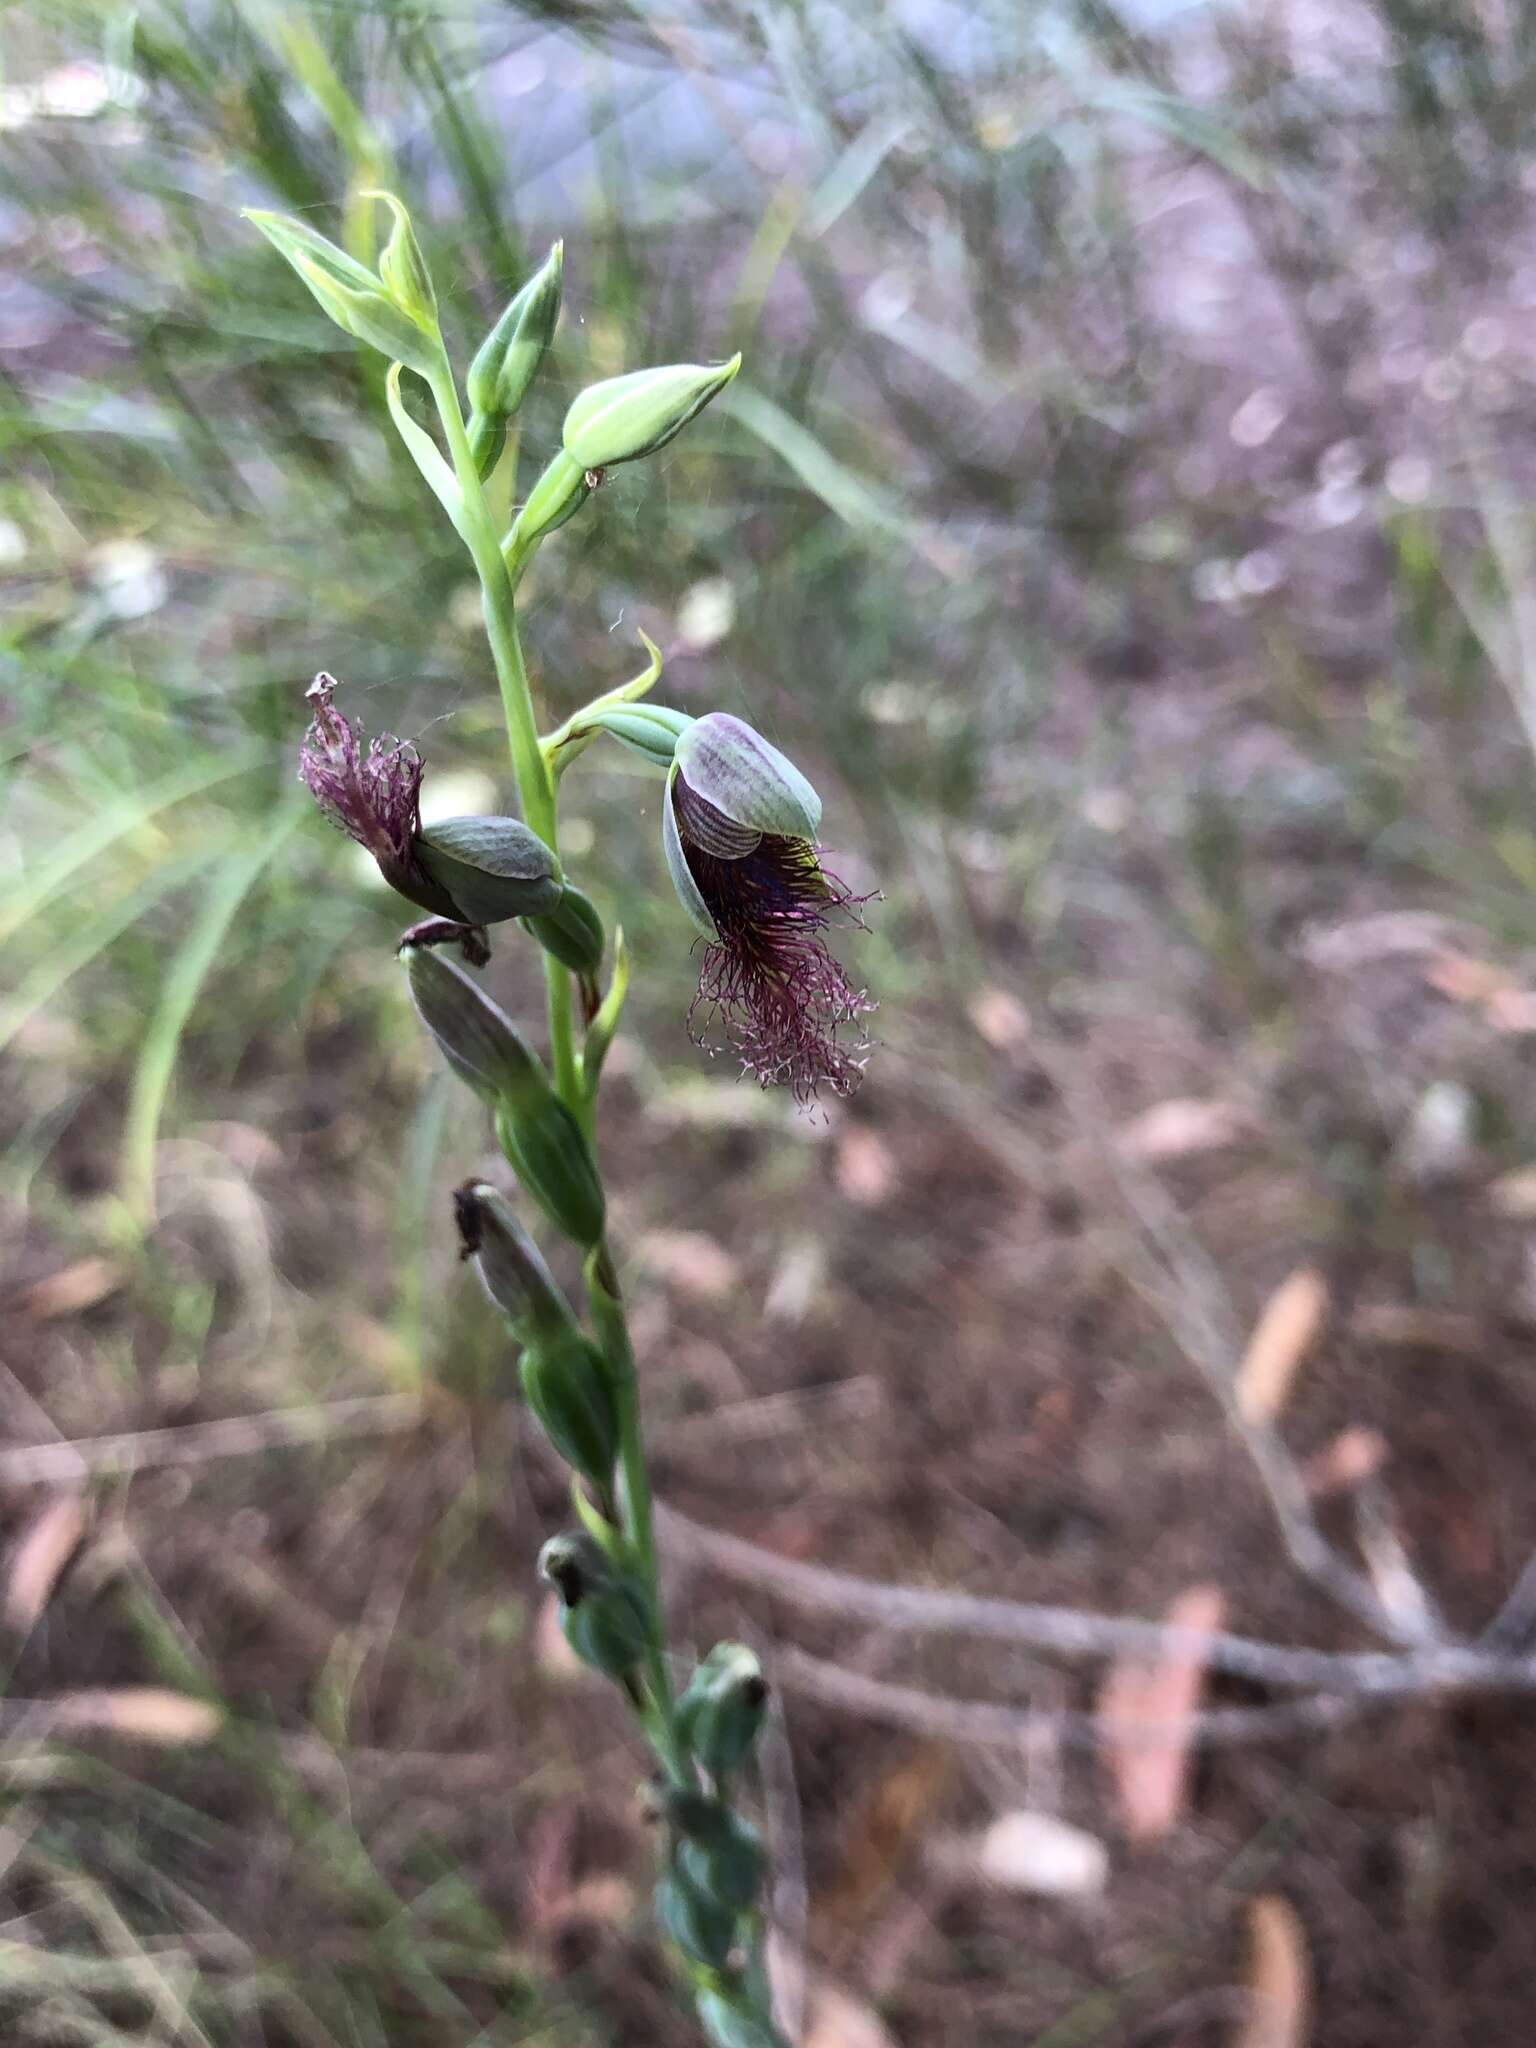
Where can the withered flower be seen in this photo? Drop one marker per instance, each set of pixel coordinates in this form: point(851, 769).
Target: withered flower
point(470, 871)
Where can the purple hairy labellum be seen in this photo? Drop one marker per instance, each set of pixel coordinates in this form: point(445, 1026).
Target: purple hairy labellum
point(374, 797)
point(467, 872)
point(764, 903)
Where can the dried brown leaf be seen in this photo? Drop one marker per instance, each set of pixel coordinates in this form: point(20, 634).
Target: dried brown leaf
point(866, 1166)
point(45, 1547)
point(1001, 1019)
point(838, 2020)
point(889, 1820)
point(1142, 1706)
point(147, 1713)
point(692, 1262)
point(1353, 1456)
point(1514, 1194)
point(71, 1290)
point(1285, 1332)
point(1279, 1977)
point(1034, 1852)
point(1461, 978)
point(1181, 1128)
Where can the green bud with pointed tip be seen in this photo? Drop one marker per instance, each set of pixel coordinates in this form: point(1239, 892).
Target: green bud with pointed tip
point(730, 2022)
point(625, 418)
point(490, 868)
point(403, 269)
point(720, 1852)
point(702, 1927)
point(508, 358)
point(721, 1709)
point(352, 296)
point(474, 1034)
point(566, 1384)
point(572, 931)
point(547, 1150)
point(650, 730)
point(511, 1267)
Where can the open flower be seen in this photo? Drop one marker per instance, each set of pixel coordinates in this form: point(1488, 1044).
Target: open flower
point(469, 871)
point(739, 828)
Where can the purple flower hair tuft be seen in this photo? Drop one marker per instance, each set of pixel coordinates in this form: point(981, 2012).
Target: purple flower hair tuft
point(768, 978)
point(375, 798)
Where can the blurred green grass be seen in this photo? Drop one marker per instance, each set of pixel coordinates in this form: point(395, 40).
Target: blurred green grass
point(979, 501)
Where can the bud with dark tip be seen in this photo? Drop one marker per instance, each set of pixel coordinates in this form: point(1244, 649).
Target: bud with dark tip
point(604, 1614)
point(542, 1141)
point(511, 1266)
point(721, 1709)
point(506, 361)
point(475, 1035)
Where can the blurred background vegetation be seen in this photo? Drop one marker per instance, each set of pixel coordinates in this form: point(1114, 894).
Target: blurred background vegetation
point(1122, 515)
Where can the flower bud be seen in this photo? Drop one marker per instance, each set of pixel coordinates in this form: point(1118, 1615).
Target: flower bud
point(573, 932)
point(488, 868)
point(730, 2022)
point(510, 1265)
point(352, 296)
point(604, 1614)
point(702, 1927)
point(403, 269)
point(566, 1385)
point(476, 1036)
point(506, 361)
point(546, 1149)
point(721, 1708)
point(721, 1853)
point(732, 767)
point(623, 418)
point(650, 730)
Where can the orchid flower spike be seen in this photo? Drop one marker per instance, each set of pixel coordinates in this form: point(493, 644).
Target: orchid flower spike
point(739, 831)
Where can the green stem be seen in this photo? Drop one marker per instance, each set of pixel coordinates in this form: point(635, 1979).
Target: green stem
point(536, 789)
point(535, 786)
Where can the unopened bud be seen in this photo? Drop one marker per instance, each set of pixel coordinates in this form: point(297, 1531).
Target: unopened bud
point(573, 932)
point(701, 1926)
point(730, 2022)
point(722, 1707)
point(475, 1035)
point(603, 1613)
point(624, 418)
point(490, 869)
point(510, 1265)
point(547, 1150)
point(506, 361)
point(403, 269)
point(567, 1387)
point(650, 730)
point(352, 296)
point(720, 1852)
